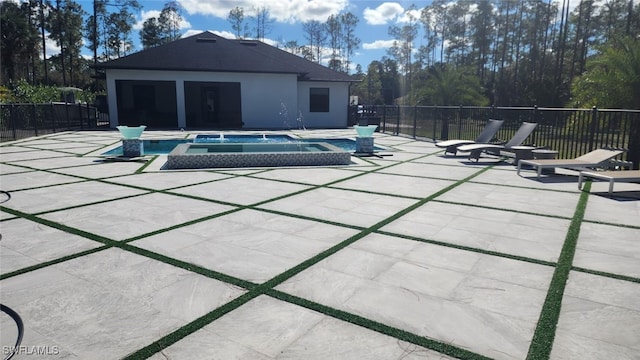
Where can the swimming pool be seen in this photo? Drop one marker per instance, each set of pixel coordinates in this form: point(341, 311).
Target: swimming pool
point(164, 146)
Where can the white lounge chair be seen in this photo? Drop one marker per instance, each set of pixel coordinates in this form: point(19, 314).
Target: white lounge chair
point(492, 127)
point(589, 160)
point(512, 145)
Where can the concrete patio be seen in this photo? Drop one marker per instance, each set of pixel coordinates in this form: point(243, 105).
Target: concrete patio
point(409, 256)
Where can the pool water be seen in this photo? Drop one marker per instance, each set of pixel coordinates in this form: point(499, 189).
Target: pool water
point(152, 147)
point(201, 148)
point(163, 147)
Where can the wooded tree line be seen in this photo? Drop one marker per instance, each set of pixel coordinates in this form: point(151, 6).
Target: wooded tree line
point(500, 52)
point(107, 32)
point(332, 42)
point(507, 53)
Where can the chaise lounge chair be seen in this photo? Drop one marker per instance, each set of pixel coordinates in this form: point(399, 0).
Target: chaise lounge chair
point(512, 145)
point(589, 160)
point(610, 176)
point(451, 146)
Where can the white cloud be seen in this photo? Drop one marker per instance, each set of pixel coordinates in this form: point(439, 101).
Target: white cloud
point(192, 32)
point(225, 34)
point(383, 14)
point(144, 15)
point(378, 44)
point(286, 11)
point(414, 14)
point(51, 47)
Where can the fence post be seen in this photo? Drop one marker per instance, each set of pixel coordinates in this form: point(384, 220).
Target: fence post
point(66, 109)
point(35, 119)
point(80, 116)
point(54, 116)
point(459, 119)
point(415, 120)
point(13, 121)
point(384, 118)
point(398, 120)
point(535, 120)
point(593, 127)
point(444, 132)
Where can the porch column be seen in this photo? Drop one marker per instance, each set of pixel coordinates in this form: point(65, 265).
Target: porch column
point(182, 117)
point(112, 101)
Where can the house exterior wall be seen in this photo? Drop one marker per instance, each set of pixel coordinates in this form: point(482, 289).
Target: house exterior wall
point(263, 97)
point(338, 105)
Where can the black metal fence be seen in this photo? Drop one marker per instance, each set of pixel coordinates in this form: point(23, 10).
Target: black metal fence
point(18, 121)
point(572, 132)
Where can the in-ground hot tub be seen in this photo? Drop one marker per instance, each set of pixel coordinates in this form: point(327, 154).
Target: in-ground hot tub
point(230, 155)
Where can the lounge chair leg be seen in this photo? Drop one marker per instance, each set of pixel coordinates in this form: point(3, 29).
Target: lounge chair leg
point(580, 179)
point(519, 166)
point(475, 154)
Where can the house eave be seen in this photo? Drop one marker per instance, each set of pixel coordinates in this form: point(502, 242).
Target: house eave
point(300, 76)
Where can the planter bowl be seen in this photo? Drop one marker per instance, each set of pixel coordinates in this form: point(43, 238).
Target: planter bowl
point(365, 131)
point(131, 132)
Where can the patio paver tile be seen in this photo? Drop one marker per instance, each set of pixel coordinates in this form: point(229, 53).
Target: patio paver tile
point(25, 243)
point(423, 295)
point(162, 181)
point(129, 217)
point(432, 171)
point(510, 198)
point(601, 322)
point(609, 249)
point(623, 211)
point(487, 229)
point(569, 346)
point(109, 303)
point(312, 176)
point(343, 206)
point(32, 179)
point(395, 184)
point(241, 190)
point(63, 196)
point(93, 308)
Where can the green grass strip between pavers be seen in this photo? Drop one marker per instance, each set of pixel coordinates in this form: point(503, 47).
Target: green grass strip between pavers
point(189, 266)
point(423, 341)
point(267, 287)
point(468, 248)
point(542, 342)
point(146, 165)
point(607, 274)
point(52, 262)
point(191, 327)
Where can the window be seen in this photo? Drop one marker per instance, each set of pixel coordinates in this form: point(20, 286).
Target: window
point(319, 100)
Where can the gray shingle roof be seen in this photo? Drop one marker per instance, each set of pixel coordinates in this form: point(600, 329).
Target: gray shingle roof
point(209, 52)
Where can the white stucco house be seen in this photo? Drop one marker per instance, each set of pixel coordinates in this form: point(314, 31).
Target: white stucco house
point(207, 81)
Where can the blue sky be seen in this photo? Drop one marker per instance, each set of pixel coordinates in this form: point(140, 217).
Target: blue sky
point(287, 19)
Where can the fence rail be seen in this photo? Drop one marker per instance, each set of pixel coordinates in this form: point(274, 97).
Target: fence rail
point(572, 132)
point(18, 121)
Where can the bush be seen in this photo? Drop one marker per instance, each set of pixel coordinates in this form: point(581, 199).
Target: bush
point(6, 95)
point(23, 92)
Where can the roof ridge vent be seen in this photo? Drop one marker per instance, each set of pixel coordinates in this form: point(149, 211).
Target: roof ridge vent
point(249, 42)
point(203, 39)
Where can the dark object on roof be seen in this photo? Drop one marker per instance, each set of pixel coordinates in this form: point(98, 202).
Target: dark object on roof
point(209, 52)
